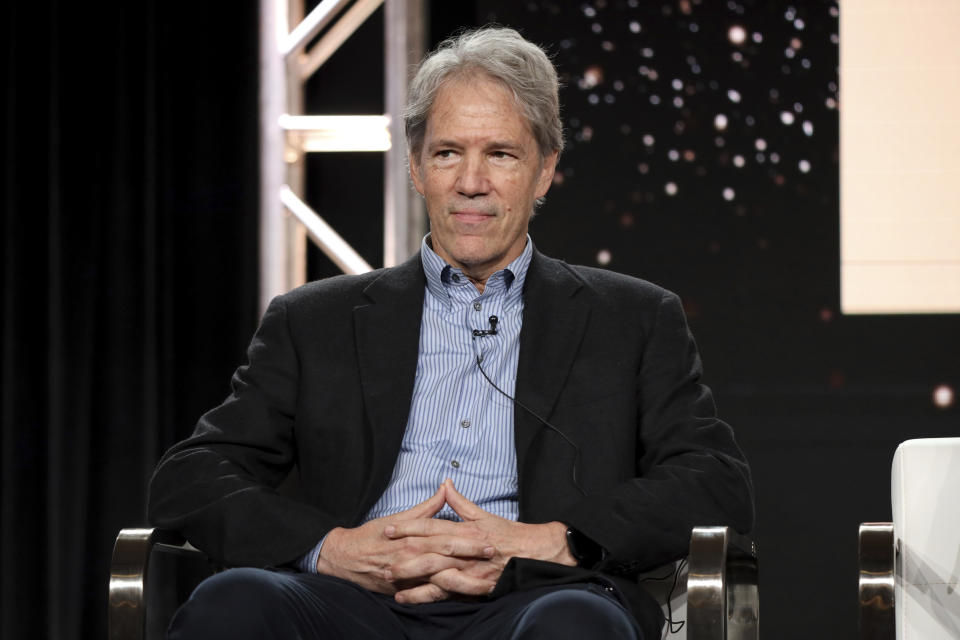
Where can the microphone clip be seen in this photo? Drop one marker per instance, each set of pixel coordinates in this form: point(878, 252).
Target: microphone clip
point(492, 331)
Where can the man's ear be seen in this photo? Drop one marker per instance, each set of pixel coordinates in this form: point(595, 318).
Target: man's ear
point(413, 162)
point(547, 170)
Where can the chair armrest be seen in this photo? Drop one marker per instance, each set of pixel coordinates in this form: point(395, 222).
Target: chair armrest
point(877, 559)
point(150, 571)
point(723, 600)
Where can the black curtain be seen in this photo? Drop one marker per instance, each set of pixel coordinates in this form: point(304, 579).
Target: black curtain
point(128, 271)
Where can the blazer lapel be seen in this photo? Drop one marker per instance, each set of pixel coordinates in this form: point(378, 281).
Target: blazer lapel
point(554, 320)
point(387, 341)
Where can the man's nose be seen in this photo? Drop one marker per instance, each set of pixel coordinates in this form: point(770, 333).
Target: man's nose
point(473, 179)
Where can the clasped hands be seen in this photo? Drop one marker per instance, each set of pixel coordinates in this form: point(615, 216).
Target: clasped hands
point(418, 558)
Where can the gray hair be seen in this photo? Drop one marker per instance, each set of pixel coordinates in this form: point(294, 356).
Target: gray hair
point(504, 55)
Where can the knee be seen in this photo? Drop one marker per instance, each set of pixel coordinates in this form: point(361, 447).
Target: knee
point(575, 613)
point(244, 589)
point(237, 603)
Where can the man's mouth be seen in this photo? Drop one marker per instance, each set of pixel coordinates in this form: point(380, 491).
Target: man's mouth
point(471, 215)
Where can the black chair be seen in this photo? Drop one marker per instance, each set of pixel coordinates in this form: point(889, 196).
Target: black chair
point(153, 571)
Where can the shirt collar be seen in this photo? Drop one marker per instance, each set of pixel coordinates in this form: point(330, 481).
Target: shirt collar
point(440, 275)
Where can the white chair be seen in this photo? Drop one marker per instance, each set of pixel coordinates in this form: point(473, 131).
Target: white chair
point(910, 568)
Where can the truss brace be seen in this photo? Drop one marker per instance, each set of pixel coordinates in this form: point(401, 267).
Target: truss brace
point(287, 60)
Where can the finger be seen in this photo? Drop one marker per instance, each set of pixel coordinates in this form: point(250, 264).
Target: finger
point(459, 582)
point(439, 554)
point(421, 527)
point(446, 545)
point(464, 508)
point(426, 509)
point(423, 566)
point(420, 594)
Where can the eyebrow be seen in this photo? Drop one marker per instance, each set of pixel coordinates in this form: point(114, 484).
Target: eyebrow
point(496, 144)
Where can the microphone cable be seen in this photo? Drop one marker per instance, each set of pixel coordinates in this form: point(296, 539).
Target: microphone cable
point(544, 421)
point(674, 625)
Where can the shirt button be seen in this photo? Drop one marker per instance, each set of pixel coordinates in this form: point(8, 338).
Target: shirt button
point(455, 278)
point(465, 424)
point(455, 464)
point(477, 306)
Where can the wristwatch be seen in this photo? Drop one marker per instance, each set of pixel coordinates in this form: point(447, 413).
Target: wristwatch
point(587, 553)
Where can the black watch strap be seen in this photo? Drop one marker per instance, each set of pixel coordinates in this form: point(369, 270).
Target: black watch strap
point(587, 553)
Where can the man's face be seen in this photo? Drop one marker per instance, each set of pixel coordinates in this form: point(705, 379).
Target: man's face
point(479, 171)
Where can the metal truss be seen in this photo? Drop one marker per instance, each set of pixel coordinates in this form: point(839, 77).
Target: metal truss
point(288, 57)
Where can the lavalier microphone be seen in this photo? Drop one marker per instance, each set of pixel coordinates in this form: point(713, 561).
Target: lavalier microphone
point(492, 331)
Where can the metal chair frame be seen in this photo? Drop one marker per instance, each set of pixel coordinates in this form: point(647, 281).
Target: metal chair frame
point(878, 557)
point(722, 583)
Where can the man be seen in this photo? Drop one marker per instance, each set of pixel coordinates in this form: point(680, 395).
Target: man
point(489, 443)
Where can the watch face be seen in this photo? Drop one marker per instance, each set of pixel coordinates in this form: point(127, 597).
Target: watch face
point(586, 551)
point(574, 542)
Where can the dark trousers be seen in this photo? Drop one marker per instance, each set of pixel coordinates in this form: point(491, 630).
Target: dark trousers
point(257, 603)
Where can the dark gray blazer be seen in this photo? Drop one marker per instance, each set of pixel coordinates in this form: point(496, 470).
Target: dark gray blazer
point(606, 358)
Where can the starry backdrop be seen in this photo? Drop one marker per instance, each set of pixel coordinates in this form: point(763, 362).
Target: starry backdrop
point(702, 155)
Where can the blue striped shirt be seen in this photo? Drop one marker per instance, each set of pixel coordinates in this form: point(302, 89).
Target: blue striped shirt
point(459, 426)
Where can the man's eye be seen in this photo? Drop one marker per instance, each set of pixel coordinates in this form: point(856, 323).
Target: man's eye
point(445, 153)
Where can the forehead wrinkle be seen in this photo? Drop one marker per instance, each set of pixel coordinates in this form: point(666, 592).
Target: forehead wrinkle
point(500, 105)
point(489, 145)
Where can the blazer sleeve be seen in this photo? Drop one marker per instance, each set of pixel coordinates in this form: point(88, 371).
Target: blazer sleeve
point(689, 470)
point(219, 487)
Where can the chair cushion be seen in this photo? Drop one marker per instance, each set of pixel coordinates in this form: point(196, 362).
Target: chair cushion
point(925, 494)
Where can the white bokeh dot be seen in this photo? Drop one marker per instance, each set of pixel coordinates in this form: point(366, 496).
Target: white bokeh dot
point(670, 188)
point(737, 34)
point(729, 194)
point(943, 396)
point(604, 257)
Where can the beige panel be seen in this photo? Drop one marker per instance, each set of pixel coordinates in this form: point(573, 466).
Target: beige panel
point(901, 146)
point(894, 288)
point(900, 165)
